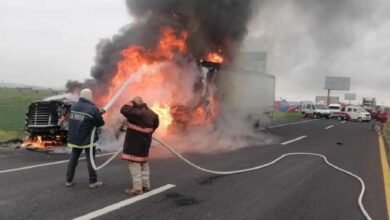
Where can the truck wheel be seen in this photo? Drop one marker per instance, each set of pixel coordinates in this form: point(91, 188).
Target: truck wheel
point(315, 116)
point(360, 119)
point(339, 118)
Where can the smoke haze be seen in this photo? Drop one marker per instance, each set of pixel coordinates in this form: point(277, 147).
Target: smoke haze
point(211, 26)
point(307, 40)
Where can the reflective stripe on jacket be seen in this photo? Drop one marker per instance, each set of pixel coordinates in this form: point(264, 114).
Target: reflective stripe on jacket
point(142, 122)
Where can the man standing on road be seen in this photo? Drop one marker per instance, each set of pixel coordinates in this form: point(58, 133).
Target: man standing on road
point(84, 116)
point(376, 119)
point(142, 122)
point(382, 123)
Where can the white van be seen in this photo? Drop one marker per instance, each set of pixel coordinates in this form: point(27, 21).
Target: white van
point(358, 113)
point(315, 110)
point(334, 108)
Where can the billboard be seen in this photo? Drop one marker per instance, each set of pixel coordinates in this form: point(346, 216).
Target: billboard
point(324, 99)
point(350, 96)
point(337, 83)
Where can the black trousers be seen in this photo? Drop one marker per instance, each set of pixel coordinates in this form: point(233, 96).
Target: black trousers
point(74, 159)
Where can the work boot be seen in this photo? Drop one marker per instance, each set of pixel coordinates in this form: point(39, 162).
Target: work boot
point(68, 184)
point(95, 185)
point(145, 189)
point(133, 192)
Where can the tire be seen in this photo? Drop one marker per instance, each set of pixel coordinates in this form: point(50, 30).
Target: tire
point(360, 119)
point(340, 118)
point(315, 116)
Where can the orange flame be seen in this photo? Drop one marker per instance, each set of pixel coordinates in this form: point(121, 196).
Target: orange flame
point(135, 58)
point(214, 57)
point(164, 114)
point(37, 142)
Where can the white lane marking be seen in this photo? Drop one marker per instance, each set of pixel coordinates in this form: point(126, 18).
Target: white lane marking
point(294, 140)
point(124, 203)
point(329, 127)
point(45, 164)
point(294, 123)
point(343, 122)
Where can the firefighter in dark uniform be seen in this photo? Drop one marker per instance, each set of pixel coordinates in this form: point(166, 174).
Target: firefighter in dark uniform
point(141, 123)
point(84, 116)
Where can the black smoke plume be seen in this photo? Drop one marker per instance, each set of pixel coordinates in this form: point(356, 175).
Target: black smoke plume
point(211, 26)
point(73, 85)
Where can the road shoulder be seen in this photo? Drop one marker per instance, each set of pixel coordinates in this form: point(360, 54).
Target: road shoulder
point(386, 173)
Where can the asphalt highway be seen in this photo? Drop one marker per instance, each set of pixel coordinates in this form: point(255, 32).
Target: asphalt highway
point(297, 187)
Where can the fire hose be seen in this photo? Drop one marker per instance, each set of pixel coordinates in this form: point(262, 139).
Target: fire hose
point(173, 151)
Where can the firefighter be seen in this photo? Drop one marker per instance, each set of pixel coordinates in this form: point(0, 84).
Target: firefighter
point(84, 116)
point(141, 123)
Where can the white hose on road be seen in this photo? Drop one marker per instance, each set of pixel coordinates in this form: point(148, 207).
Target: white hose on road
point(173, 151)
point(360, 199)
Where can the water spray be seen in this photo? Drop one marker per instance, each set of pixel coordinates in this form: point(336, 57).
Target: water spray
point(232, 172)
point(131, 79)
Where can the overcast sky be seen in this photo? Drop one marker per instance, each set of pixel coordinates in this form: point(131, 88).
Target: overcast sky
point(307, 40)
point(47, 42)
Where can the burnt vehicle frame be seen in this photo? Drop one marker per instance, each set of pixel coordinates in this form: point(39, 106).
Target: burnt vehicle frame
point(47, 123)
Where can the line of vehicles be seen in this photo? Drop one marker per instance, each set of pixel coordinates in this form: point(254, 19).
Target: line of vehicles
point(358, 113)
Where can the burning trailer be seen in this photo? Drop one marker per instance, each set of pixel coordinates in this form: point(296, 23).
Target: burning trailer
point(246, 91)
point(47, 124)
point(179, 57)
point(242, 87)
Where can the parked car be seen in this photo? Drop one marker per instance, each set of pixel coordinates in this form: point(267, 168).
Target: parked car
point(341, 115)
point(306, 108)
point(358, 113)
point(353, 113)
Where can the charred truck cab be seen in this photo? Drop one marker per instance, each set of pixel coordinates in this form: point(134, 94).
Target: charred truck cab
point(47, 124)
point(242, 88)
point(201, 110)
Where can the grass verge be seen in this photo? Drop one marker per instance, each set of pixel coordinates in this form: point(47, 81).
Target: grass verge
point(13, 106)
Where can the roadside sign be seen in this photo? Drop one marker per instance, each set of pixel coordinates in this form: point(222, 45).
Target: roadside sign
point(324, 100)
point(350, 96)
